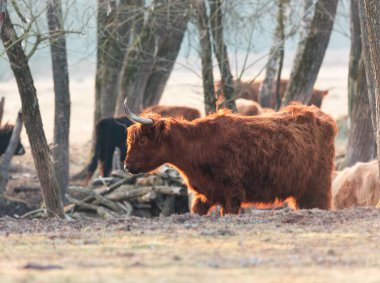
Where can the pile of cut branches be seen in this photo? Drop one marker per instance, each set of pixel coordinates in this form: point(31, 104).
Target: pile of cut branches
point(123, 194)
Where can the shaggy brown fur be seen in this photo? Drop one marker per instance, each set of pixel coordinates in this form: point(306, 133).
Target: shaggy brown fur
point(231, 160)
point(248, 107)
point(5, 137)
point(187, 113)
point(357, 186)
point(250, 91)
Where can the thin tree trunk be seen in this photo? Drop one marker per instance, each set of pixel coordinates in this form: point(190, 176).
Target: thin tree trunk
point(363, 18)
point(101, 53)
point(137, 66)
point(62, 94)
point(150, 60)
point(355, 54)
point(309, 58)
point(32, 118)
point(361, 140)
point(221, 54)
point(172, 25)
point(8, 154)
point(369, 14)
point(111, 61)
point(118, 25)
point(277, 51)
point(2, 103)
point(206, 57)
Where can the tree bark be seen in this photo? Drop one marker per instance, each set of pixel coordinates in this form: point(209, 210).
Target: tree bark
point(221, 54)
point(137, 66)
point(206, 57)
point(361, 140)
point(273, 65)
point(32, 118)
point(355, 53)
point(369, 14)
point(8, 154)
point(309, 58)
point(118, 24)
point(100, 54)
point(149, 62)
point(2, 104)
point(172, 25)
point(61, 157)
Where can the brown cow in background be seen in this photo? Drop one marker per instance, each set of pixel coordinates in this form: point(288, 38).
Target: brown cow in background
point(230, 160)
point(248, 107)
point(251, 91)
point(357, 186)
point(187, 113)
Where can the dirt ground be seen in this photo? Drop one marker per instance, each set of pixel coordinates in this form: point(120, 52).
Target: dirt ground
point(272, 246)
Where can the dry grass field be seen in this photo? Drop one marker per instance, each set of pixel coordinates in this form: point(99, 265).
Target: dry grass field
point(270, 246)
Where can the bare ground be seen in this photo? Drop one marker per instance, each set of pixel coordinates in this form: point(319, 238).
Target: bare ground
point(272, 246)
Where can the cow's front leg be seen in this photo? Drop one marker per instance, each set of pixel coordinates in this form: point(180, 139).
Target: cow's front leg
point(201, 206)
point(230, 206)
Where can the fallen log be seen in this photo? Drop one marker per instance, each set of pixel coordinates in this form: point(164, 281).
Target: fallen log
point(126, 192)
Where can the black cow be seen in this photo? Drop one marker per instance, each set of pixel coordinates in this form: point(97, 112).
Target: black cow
point(109, 134)
point(5, 137)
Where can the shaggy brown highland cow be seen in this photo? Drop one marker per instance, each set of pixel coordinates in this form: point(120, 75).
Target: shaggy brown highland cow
point(187, 113)
point(231, 160)
point(357, 186)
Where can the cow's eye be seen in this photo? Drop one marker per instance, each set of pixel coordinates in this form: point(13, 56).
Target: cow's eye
point(142, 141)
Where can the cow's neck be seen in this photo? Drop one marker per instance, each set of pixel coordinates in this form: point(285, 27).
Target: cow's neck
point(191, 147)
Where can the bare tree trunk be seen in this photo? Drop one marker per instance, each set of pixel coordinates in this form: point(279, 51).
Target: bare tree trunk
point(118, 24)
point(309, 58)
point(355, 54)
point(361, 140)
point(137, 66)
point(369, 14)
point(62, 94)
point(149, 62)
point(2, 103)
point(206, 57)
point(172, 26)
point(101, 53)
point(110, 61)
point(274, 61)
point(8, 154)
point(221, 54)
point(32, 118)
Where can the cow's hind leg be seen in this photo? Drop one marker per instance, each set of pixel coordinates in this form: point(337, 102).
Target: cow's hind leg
point(107, 162)
point(317, 194)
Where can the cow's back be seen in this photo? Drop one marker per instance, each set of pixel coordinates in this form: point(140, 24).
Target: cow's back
point(184, 112)
point(277, 152)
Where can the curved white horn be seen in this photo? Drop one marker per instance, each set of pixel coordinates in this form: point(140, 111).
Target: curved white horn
point(134, 118)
